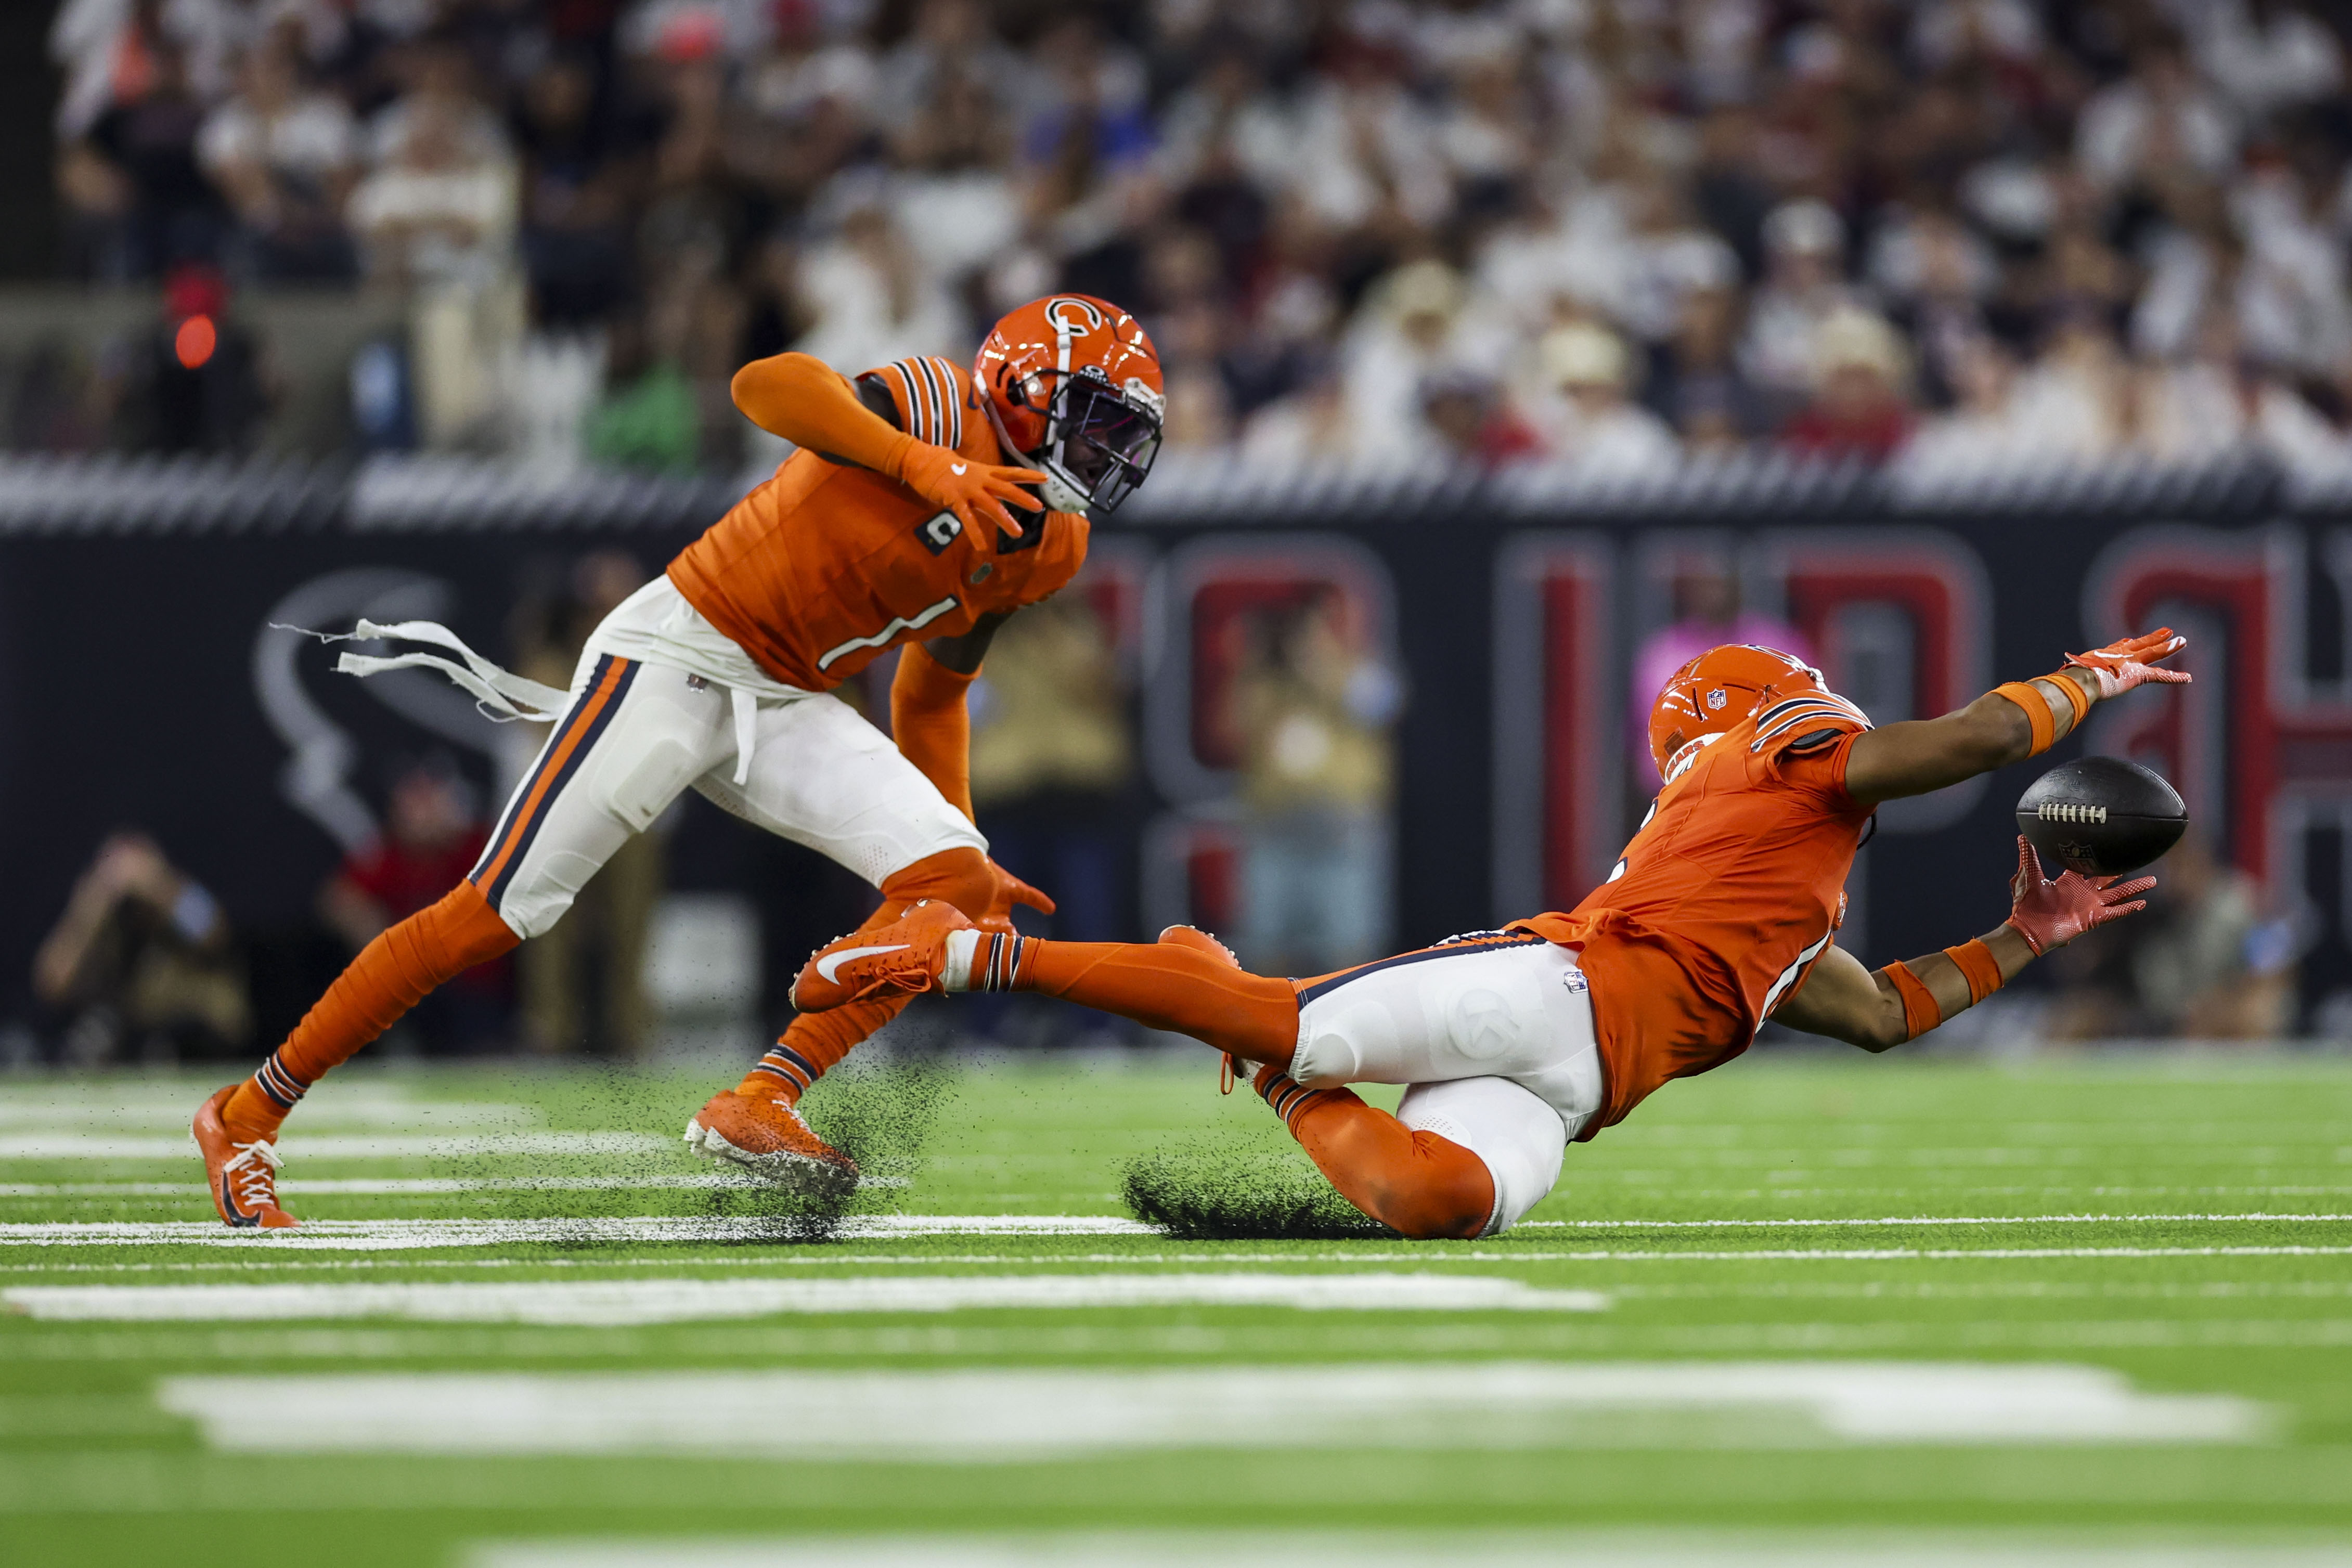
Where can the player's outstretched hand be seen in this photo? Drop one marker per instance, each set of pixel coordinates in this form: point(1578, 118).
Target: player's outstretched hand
point(1010, 889)
point(2049, 913)
point(2130, 662)
point(975, 492)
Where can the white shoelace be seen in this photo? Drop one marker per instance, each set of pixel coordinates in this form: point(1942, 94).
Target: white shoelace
point(253, 1174)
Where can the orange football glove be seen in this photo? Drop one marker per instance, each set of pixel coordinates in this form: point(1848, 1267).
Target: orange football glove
point(1011, 890)
point(974, 491)
point(2051, 913)
point(2131, 662)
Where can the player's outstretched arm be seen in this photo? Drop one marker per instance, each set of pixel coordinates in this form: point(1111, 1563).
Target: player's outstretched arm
point(2008, 724)
point(1879, 1009)
point(813, 405)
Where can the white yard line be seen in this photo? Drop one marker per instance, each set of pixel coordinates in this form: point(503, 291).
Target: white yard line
point(618, 1303)
point(1009, 1415)
point(173, 1117)
point(395, 1235)
point(273, 1255)
point(487, 1144)
point(396, 1186)
point(1409, 1549)
point(1896, 1220)
point(400, 1234)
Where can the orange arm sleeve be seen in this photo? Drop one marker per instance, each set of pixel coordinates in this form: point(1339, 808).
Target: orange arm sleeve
point(932, 726)
point(1921, 1011)
point(813, 405)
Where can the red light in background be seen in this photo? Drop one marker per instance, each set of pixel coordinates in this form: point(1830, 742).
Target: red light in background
point(196, 340)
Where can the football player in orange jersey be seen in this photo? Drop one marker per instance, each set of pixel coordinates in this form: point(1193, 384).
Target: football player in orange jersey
point(1724, 912)
point(888, 529)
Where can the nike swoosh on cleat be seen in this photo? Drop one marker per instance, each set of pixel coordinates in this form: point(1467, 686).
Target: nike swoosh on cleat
point(829, 966)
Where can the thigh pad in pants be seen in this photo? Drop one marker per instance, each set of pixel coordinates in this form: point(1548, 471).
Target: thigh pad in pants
point(633, 738)
point(1508, 1007)
point(1519, 1138)
point(822, 776)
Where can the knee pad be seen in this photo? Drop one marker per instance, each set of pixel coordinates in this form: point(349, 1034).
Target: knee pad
point(960, 877)
point(1519, 1137)
point(467, 930)
point(1452, 1196)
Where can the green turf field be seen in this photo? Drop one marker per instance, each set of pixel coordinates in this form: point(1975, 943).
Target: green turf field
point(2069, 1312)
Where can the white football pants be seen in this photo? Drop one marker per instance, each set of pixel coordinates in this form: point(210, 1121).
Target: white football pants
point(637, 735)
point(1495, 1035)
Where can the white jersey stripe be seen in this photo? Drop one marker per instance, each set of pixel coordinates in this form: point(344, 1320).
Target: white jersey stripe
point(919, 376)
point(951, 394)
point(903, 386)
point(944, 386)
point(919, 373)
point(1788, 976)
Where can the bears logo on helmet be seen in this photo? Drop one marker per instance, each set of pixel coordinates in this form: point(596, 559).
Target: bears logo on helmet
point(1072, 384)
point(1718, 690)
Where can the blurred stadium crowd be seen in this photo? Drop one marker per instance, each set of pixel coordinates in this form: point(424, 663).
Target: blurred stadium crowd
point(1369, 231)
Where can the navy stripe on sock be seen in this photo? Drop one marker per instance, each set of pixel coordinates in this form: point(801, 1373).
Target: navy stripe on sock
point(280, 1085)
point(787, 1055)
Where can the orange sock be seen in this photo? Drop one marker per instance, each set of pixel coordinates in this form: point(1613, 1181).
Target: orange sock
point(815, 1042)
point(391, 976)
point(1416, 1183)
point(1165, 986)
point(814, 1045)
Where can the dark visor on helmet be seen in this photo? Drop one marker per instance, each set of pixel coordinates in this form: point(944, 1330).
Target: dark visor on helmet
point(1102, 444)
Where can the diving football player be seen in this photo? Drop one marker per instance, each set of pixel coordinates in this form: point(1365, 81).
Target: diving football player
point(1724, 912)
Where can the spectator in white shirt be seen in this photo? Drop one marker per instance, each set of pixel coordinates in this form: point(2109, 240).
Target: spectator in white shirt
point(872, 299)
point(1804, 285)
point(285, 156)
point(1413, 329)
point(2158, 120)
point(1589, 418)
point(2265, 55)
point(439, 210)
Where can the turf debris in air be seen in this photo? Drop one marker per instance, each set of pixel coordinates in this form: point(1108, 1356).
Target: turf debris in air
point(879, 1112)
point(1216, 1191)
point(880, 1116)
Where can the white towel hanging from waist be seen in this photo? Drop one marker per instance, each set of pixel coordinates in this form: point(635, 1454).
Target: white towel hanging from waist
point(503, 694)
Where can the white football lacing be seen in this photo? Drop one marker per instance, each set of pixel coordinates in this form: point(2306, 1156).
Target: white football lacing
point(252, 1173)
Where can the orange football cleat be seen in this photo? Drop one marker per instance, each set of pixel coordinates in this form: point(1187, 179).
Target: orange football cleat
point(905, 957)
point(769, 1138)
point(243, 1176)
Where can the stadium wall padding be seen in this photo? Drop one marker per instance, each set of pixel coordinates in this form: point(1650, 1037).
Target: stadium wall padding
point(140, 684)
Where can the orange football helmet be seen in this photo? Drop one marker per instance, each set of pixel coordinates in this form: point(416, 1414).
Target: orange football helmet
point(1719, 689)
point(1072, 384)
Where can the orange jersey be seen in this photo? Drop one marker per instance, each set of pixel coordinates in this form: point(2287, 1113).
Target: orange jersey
point(826, 564)
point(1727, 895)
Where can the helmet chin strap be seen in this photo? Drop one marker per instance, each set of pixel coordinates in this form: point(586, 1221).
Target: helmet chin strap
point(1061, 496)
